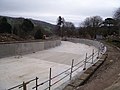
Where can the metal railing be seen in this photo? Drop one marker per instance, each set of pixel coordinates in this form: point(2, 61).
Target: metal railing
point(88, 59)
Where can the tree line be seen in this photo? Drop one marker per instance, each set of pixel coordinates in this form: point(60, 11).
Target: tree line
point(25, 29)
point(89, 28)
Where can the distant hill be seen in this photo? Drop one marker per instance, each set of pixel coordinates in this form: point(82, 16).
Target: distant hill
point(16, 24)
point(18, 20)
point(47, 26)
point(42, 23)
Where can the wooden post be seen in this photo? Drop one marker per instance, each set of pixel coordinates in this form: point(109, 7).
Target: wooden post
point(92, 56)
point(24, 86)
point(98, 53)
point(71, 69)
point(36, 83)
point(85, 62)
point(50, 79)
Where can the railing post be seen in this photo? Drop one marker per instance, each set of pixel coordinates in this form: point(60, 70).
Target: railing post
point(92, 56)
point(98, 53)
point(71, 69)
point(50, 79)
point(85, 62)
point(24, 86)
point(36, 83)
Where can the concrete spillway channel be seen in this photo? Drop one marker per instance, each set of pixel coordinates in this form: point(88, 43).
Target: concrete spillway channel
point(30, 60)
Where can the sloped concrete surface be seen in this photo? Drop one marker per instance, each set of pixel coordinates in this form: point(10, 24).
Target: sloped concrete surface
point(21, 48)
point(107, 76)
point(86, 75)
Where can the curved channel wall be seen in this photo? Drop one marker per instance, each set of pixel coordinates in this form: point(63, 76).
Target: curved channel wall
point(21, 48)
point(94, 43)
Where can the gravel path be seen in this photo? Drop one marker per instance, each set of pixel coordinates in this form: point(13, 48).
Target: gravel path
point(107, 74)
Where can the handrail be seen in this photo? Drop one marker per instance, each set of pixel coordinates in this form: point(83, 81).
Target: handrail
point(78, 68)
point(60, 73)
point(40, 84)
point(79, 63)
point(51, 78)
point(61, 79)
point(21, 85)
point(74, 67)
point(15, 86)
point(88, 58)
point(28, 82)
point(57, 81)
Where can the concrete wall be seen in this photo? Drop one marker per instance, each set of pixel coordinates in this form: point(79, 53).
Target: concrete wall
point(86, 41)
point(20, 48)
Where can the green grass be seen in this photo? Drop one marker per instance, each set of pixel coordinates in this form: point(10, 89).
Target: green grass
point(115, 42)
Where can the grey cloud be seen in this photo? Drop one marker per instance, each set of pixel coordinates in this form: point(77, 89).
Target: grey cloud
point(50, 9)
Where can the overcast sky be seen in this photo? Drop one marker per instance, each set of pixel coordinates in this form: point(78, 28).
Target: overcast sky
point(48, 10)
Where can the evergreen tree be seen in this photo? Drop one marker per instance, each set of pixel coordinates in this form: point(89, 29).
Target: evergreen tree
point(5, 27)
point(27, 25)
point(38, 34)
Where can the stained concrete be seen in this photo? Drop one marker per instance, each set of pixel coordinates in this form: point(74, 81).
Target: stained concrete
point(21, 48)
point(86, 41)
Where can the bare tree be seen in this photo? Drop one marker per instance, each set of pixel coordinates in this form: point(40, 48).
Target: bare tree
point(86, 22)
point(69, 29)
point(94, 21)
point(117, 18)
point(117, 14)
point(92, 24)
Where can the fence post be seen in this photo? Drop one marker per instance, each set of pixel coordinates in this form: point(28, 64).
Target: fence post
point(71, 69)
point(98, 53)
point(50, 79)
point(24, 86)
point(92, 56)
point(36, 83)
point(85, 62)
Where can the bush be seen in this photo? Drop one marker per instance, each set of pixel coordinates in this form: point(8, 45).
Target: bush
point(38, 34)
point(27, 25)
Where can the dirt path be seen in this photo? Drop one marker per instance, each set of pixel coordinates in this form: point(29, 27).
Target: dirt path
point(107, 74)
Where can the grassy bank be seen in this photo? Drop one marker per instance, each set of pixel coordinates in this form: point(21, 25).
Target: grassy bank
point(115, 42)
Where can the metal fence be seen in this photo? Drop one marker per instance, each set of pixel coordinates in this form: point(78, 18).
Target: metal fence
point(91, 59)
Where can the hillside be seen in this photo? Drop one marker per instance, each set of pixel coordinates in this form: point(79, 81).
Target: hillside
point(13, 20)
point(18, 20)
point(46, 28)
